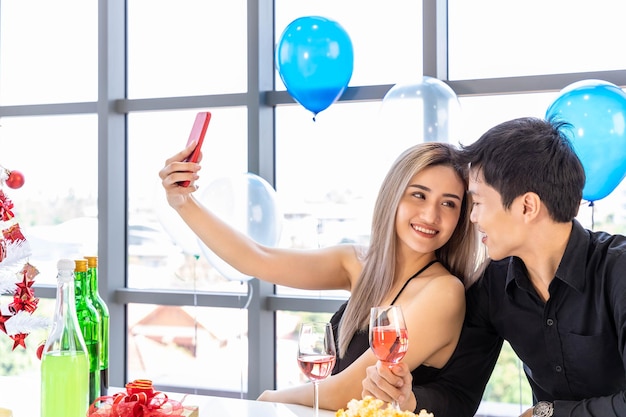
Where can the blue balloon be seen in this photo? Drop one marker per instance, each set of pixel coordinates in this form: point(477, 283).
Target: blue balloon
point(596, 110)
point(314, 58)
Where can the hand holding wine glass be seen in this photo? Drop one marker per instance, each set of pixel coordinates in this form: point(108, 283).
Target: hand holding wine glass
point(316, 354)
point(388, 335)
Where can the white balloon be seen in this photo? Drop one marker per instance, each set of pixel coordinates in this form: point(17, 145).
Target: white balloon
point(247, 203)
point(424, 111)
point(176, 228)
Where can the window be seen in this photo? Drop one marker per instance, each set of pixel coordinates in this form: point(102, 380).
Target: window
point(90, 128)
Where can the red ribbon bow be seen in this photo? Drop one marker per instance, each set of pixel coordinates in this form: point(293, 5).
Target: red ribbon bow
point(139, 400)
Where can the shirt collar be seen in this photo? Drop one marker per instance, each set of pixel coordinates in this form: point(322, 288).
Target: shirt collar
point(571, 269)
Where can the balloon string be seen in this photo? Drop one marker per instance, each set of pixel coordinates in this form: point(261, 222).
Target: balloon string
point(244, 308)
point(593, 208)
point(195, 310)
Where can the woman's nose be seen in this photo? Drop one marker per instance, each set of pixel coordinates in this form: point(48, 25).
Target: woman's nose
point(431, 213)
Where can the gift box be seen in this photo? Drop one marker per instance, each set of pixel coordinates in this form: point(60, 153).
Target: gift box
point(140, 400)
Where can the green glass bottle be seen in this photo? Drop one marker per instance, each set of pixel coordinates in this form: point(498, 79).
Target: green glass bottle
point(103, 311)
point(90, 325)
point(64, 361)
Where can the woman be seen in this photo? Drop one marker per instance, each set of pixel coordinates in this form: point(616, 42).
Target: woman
point(420, 230)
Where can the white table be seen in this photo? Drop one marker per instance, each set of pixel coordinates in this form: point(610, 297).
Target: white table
point(230, 407)
point(21, 396)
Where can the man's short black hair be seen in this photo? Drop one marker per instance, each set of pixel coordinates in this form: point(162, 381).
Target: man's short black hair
point(530, 155)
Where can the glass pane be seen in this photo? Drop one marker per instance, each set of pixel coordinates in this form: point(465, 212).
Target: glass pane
point(197, 47)
point(479, 113)
point(161, 245)
point(206, 348)
point(386, 41)
point(492, 38)
point(57, 206)
point(508, 392)
point(328, 173)
point(48, 51)
point(288, 372)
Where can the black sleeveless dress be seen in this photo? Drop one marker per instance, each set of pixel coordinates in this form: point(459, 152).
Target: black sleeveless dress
point(360, 343)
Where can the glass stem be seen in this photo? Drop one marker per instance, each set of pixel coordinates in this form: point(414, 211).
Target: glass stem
point(316, 404)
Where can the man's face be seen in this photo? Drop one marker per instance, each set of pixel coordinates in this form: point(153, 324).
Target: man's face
point(502, 231)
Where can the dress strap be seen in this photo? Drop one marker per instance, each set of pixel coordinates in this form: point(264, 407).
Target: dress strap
point(413, 276)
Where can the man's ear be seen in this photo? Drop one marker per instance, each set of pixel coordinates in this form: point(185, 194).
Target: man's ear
point(531, 204)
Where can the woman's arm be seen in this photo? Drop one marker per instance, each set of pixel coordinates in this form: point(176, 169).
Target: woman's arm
point(433, 314)
point(329, 268)
point(334, 392)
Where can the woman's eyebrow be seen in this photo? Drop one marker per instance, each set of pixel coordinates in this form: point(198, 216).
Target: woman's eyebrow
point(422, 187)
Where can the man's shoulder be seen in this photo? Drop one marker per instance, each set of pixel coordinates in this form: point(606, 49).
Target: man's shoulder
point(495, 273)
point(498, 269)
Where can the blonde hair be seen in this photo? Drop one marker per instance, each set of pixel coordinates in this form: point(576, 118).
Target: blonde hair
point(460, 255)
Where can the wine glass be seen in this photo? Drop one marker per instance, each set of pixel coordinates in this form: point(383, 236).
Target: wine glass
point(316, 354)
point(388, 335)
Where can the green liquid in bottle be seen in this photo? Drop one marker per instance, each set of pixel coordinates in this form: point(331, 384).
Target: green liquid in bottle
point(90, 326)
point(65, 384)
point(103, 312)
point(64, 362)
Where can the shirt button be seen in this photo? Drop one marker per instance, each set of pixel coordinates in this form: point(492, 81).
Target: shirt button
point(549, 322)
point(558, 368)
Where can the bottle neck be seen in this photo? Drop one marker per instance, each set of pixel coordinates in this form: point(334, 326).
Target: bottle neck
point(65, 334)
point(92, 278)
point(82, 288)
point(66, 300)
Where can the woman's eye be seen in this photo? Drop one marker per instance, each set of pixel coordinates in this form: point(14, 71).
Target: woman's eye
point(450, 204)
point(418, 195)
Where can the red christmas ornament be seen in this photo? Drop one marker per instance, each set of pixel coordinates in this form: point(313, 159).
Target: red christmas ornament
point(2, 320)
point(5, 207)
point(13, 234)
point(15, 180)
point(40, 350)
point(18, 340)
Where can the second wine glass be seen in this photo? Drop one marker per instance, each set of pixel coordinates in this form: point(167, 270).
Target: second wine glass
point(388, 335)
point(316, 355)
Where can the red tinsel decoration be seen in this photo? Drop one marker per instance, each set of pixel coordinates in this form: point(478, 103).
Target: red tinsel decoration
point(24, 298)
point(5, 207)
point(139, 400)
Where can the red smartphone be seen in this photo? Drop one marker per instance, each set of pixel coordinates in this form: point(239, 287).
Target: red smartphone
point(198, 131)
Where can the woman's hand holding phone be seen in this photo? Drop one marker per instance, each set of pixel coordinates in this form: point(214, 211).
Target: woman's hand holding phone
point(198, 131)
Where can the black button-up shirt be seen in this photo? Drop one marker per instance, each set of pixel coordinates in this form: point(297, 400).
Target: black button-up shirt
point(572, 346)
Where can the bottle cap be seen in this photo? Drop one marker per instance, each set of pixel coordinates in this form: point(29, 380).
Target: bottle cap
point(81, 265)
point(66, 265)
point(92, 261)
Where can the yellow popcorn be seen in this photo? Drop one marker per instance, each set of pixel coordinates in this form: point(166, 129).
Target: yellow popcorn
point(372, 407)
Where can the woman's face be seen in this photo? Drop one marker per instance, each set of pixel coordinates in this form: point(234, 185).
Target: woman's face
point(429, 209)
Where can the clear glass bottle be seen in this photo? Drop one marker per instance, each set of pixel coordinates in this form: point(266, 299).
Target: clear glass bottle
point(90, 324)
point(64, 361)
point(103, 311)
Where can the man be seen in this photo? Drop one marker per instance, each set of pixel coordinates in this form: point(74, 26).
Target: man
point(555, 291)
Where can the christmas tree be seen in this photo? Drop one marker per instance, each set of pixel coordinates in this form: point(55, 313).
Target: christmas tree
point(17, 275)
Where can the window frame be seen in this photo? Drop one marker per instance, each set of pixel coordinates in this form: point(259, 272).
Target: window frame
point(261, 99)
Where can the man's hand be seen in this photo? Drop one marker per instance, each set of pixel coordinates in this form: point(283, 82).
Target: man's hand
point(527, 413)
point(389, 384)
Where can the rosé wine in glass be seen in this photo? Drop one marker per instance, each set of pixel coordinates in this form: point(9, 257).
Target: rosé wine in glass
point(388, 335)
point(316, 367)
point(316, 355)
point(388, 345)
